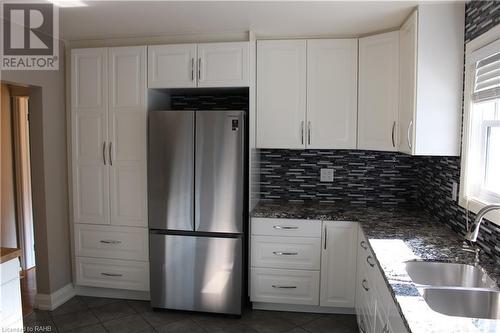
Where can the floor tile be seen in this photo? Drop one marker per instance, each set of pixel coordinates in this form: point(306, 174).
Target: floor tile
point(297, 330)
point(75, 304)
point(74, 320)
point(37, 315)
point(140, 306)
point(163, 317)
point(267, 322)
point(129, 324)
point(97, 328)
point(333, 324)
point(44, 325)
point(181, 326)
point(215, 323)
point(113, 311)
point(299, 318)
point(95, 302)
point(239, 328)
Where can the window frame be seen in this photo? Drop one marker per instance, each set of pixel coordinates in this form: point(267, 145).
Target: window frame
point(475, 50)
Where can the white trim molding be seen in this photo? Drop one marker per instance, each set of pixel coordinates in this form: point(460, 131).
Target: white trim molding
point(301, 308)
point(472, 51)
point(52, 301)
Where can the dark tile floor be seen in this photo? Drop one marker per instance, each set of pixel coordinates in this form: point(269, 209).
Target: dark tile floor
point(96, 315)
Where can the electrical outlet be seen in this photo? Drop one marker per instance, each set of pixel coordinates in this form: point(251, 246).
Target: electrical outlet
point(326, 175)
point(454, 191)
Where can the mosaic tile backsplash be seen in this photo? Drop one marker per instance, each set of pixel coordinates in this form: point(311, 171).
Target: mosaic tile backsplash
point(360, 177)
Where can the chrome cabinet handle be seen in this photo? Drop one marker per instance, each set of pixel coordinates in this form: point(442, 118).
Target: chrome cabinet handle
point(284, 227)
point(326, 234)
point(408, 134)
point(111, 274)
point(368, 260)
point(284, 287)
point(302, 132)
point(363, 245)
point(363, 285)
point(192, 69)
point(392, 134)
point(104, 152)
point(106, 241)
point(110, 158)
point(199, 69)
point(279, 253)
point(308, 132)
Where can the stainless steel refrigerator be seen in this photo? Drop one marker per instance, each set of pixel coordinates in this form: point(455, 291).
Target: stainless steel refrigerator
point(196, 181)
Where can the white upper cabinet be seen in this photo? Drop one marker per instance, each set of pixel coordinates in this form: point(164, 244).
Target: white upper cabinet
point(281, 94)
point(431, 70)
point(89, 124)
point(127, 135)
point(338, 264)
point(198, 65)
point(172, 66)
point(108, 120)
point(332, 66)
point(223, 64)
point(378, 92)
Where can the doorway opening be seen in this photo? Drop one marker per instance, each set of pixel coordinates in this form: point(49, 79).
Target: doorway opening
point(17, 209)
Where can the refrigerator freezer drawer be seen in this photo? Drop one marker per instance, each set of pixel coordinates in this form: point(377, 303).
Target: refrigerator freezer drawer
point(196, 273)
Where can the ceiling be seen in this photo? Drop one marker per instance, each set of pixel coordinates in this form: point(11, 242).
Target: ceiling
point(122, 19)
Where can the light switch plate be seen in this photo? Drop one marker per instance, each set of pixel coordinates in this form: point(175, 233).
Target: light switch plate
point(326, 175)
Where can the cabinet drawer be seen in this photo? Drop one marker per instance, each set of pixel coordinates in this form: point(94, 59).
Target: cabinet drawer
point(286, 252)
point(284, 286)
point(111, 242)
point(286, 227)
point(111, 273)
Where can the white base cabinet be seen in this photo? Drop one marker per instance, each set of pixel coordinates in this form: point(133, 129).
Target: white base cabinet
point(11, 314)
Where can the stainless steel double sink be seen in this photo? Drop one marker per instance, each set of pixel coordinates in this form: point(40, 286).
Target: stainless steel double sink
point(456, 289)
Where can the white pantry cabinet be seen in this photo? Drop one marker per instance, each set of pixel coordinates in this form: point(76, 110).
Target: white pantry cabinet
point(306, 94)
point(431, 69)
point(108, 147)
point(332, 79)
point(378, 92)
point(198, 65)
point(11, 312)
point(281, 94)
point(338, 264)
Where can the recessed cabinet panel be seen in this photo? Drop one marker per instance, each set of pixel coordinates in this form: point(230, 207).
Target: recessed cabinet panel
point(332, 93)
point(172, 66)
point(281, 94)
point(89, 122)
point(127, 133)
point(378, 92)
point(338, 264)
point(223, 64)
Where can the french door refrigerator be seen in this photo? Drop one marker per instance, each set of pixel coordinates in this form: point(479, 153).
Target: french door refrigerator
point(196, 209)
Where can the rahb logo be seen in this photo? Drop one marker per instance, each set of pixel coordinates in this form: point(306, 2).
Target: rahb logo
point(30, 36)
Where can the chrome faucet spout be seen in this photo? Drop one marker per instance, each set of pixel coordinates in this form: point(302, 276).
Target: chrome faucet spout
point(473, 231)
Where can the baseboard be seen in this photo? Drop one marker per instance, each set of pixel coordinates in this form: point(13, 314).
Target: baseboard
point(112, 293)
point(54, 300)
point(300, 308)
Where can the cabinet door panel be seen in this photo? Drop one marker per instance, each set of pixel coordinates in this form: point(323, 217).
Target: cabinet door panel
point(281, 94)
point(332, 93)
point(127, 132)
point(378, 92)
point(223, 64)
point(89, 136)
point(407, 79)
point(172, 66)
point(338, 264)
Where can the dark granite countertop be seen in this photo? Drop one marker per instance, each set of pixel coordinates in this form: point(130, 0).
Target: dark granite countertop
point(398, 234)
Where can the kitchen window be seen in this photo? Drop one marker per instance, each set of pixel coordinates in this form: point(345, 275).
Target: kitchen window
point(480, 183)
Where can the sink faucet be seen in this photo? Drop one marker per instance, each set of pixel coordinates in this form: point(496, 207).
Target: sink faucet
point(474, 228)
